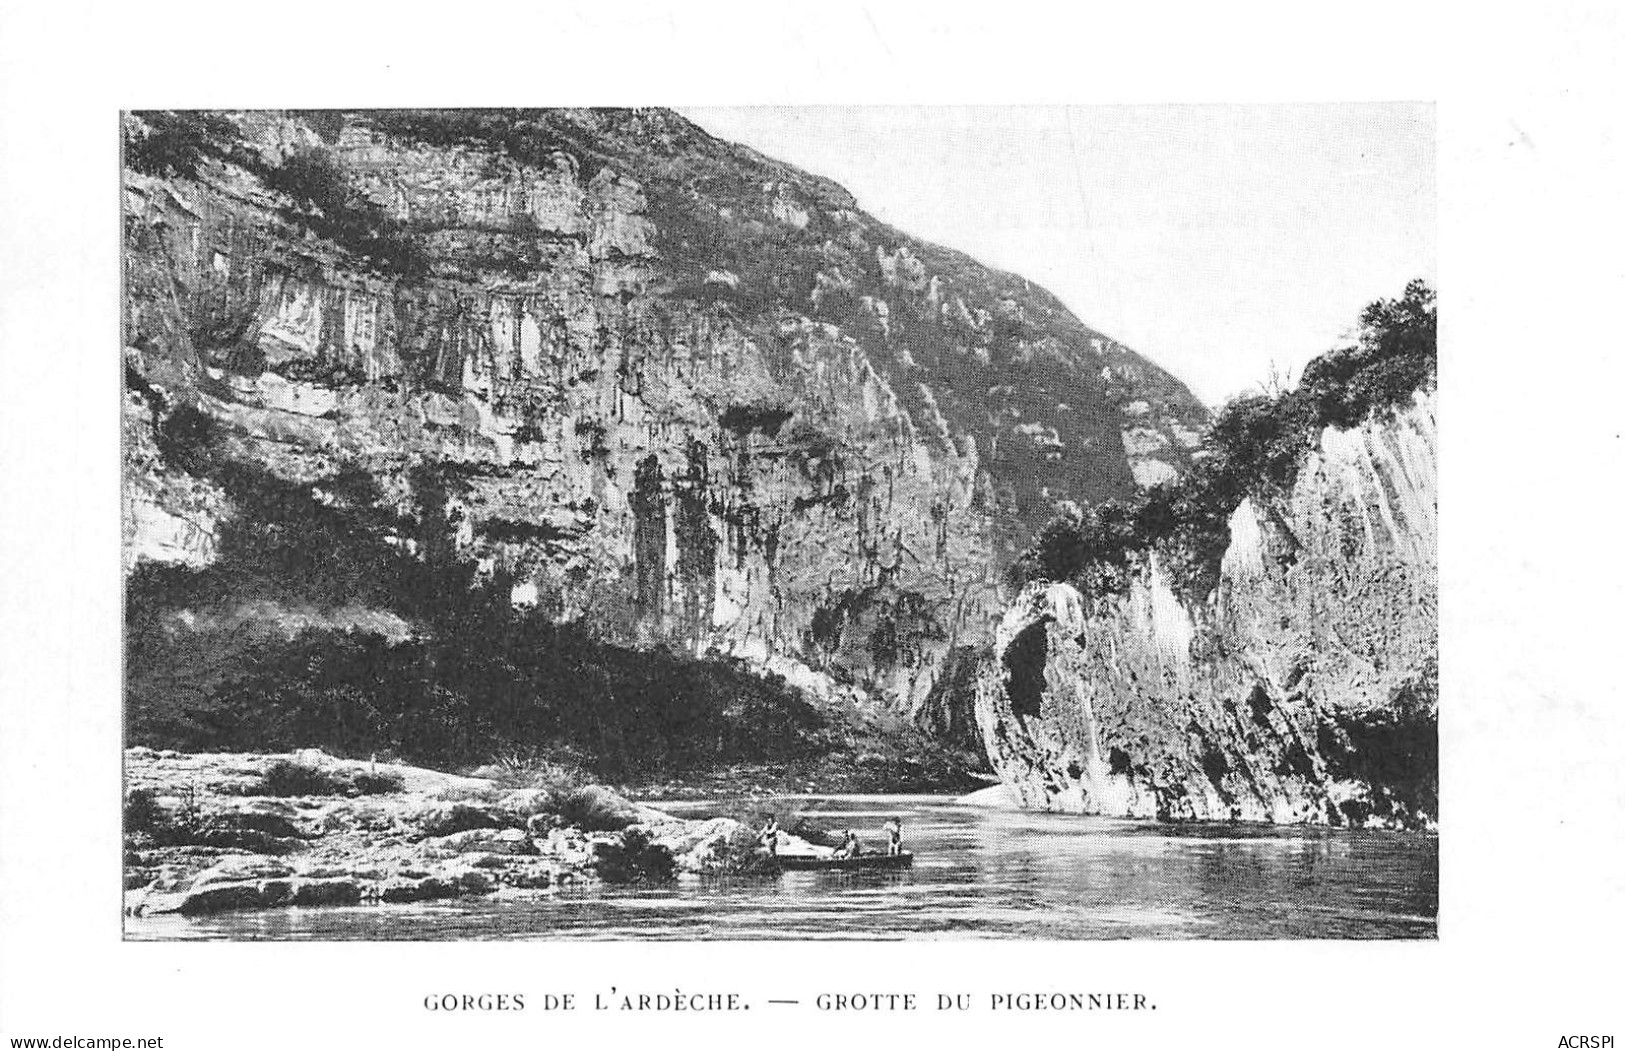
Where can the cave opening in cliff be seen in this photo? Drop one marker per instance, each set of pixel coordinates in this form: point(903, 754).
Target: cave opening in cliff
point(1259, 703)
point(1024, 662)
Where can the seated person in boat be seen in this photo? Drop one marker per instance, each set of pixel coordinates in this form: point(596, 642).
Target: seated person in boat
point(769, 835)
point(894, 830)
point(849, 849)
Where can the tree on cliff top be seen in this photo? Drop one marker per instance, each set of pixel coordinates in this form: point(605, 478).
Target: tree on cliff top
point(1253, 449)
point(1395, 356)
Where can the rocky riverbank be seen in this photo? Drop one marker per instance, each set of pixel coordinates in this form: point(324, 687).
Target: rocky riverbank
point(212, 832)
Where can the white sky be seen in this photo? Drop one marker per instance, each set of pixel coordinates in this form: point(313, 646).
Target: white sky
point(1219, 241)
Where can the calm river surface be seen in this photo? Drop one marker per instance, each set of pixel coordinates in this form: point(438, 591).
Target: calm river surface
point(978, 873)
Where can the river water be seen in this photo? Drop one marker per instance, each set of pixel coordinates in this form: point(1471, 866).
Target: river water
point(978, 873)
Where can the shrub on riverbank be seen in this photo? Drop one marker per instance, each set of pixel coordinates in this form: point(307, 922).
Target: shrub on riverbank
point(287, 778)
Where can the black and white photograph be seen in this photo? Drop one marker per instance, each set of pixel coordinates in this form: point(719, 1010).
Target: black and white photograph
point(549, 523)
point(949, 525)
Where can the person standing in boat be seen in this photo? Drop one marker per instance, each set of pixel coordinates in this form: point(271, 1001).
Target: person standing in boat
point(894, 830)
point(770, 835)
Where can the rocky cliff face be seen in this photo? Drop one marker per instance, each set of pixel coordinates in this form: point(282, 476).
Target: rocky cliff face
point(664, 386)
point(1304, 691)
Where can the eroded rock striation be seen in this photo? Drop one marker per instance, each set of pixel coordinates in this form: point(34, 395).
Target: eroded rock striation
point(1304, 690)
point(662, 385)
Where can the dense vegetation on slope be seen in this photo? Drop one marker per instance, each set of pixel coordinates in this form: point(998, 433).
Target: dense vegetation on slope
point(462, 678)
point(1253, 449)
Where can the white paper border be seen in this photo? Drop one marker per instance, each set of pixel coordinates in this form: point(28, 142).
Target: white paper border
point(1532, 795)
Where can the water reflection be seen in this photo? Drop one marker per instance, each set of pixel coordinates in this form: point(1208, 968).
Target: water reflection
point(978, 874)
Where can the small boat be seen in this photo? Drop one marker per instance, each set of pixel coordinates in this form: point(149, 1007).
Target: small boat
point(803, 862)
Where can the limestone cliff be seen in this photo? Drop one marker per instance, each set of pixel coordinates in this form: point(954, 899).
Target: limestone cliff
point(666, 387)
point(1303, 691)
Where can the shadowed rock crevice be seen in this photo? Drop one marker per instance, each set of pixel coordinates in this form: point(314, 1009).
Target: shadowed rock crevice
point(649, 537)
